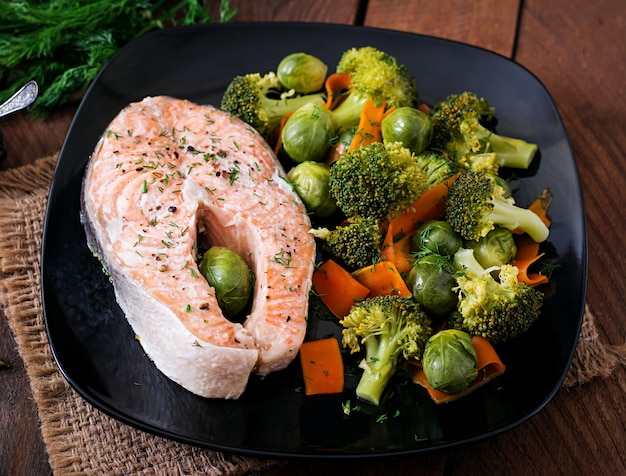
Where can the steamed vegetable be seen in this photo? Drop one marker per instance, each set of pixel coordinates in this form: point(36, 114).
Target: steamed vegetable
point(450, 361)
point(390, 328)
point(302, 72)
point(499, 309)
point(432, 284)
point(376, 75)
point(310, 181)
point(229, 275)
point(410, 126)
point(307, 134)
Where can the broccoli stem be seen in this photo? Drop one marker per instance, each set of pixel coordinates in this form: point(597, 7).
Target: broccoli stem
point(379, 365)
point(516, 153)
point(511, 152)
point(465, 261)
point(512, 217)
point(347, 114)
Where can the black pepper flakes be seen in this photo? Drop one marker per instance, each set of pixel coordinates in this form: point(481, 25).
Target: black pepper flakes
point(171, 209)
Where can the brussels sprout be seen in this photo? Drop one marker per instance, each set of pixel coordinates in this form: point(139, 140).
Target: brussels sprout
point(410, 126)
point(431, 281)
point(302, 72)
point(449, 361)
point(494, 249)
point(229, 275)
point(437, 236)
point(307, 133)
point(310, 181)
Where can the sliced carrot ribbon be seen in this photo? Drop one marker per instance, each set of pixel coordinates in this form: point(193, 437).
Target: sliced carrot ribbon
point(382, 279)
point(540, 206)
point(368, 130)
point(397, 248)
point(527, 254)
point(430, 206)
point(335, 83)
point(337, 289)
point(488, 364)
point(279, 133)
point(322, 366)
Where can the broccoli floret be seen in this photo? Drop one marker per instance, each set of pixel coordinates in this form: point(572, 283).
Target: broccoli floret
point(356, 243)
point(390, 327)
point(497, 309)
point(446, 116)
point(476, 204)
point(378, 180)
point(436, 167)
point(374, 75)
point(460, 129)
point(509, 151)
point(261, 101)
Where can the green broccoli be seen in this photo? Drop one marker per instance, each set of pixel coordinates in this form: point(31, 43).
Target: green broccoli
point(390, 327)
point(497, 309)
point(261, 101)
point(460, 129)
point(436, 166)
point(374, 75)
point(476, 204)
point(377, 180)
point(355, 243)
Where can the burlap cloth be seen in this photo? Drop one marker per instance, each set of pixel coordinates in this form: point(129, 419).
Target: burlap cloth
point(67, 421)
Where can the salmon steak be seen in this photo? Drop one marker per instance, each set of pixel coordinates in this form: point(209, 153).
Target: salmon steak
point(166, 176)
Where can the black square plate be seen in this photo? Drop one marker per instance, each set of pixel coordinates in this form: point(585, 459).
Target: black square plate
point(95, 347)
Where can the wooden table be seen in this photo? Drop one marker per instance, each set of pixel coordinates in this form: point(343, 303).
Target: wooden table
point(577, 48)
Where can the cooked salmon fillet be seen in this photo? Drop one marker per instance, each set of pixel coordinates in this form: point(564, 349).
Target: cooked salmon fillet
point(166, 173)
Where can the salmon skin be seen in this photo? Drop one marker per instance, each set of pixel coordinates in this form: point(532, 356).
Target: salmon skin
point(165, 174)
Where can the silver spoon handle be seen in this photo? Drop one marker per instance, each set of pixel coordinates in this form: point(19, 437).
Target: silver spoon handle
point(21, 99)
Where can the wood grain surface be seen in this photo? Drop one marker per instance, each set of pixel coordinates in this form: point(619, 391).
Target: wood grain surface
point(577, 49)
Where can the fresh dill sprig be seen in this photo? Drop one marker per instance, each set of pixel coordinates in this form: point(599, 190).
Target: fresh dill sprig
point(63, 45)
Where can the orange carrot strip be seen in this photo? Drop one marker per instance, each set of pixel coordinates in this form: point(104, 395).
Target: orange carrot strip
point(527, 254)
point(337, 289)
point(488, 364)
point(322, 366)
point(430, 206)
point(425, 108)
point(334, 83)
point(369, 130)
point(397, 248)
point(382, 279)
point(540, 206)
point(336, 151)
point(279, 133)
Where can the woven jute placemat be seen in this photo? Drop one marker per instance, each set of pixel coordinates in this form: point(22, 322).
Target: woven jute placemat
point(79, 438)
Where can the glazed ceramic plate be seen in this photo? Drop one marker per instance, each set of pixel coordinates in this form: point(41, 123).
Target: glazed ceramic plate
point(96, 350)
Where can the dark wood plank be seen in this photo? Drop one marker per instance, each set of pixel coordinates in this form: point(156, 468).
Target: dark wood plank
point(22, 451)
point(325, 11)
point(490, 24)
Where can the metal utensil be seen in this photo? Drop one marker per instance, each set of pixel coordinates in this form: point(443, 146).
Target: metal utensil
point(24, 97)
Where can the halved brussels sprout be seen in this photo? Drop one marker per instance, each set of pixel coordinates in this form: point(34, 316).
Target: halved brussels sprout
point(229, 274)
point(410, 126)
point(310, 181)
point(494, 249)
point(431, 280)
point(302, 72)
point(437, 236)
point(307, 133)
point(449, 361)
